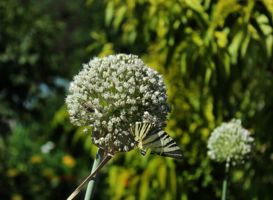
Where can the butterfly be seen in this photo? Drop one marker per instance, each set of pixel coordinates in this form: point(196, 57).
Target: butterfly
point(149, 136)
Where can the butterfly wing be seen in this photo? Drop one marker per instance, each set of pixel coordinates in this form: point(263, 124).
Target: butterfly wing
point(140, 131)
point(151, 137)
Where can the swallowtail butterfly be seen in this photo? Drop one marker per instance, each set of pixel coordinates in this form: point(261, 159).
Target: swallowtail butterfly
point(149, 136)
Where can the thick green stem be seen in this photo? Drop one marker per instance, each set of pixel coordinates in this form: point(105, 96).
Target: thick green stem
point(224, 190)
point(92, 183)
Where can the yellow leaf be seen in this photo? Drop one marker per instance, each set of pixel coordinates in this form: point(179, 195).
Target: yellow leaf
point(144, 185)
point(119, 16)
point(162, 176)
point(109, 12)
point(173, 182)
point(234, 46)
point(183, 63)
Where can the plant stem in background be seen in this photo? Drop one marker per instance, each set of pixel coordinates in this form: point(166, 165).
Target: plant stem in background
point(224, 189)
point(92, 183)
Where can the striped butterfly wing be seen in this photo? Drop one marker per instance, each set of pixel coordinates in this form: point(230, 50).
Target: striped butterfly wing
point(151, 137)
point(139, 131)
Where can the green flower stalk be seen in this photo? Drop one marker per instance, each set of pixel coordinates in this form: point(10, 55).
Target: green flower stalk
point(92, 183)
point(229, 142)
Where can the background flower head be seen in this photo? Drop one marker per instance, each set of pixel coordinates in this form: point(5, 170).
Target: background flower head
point(113, 93)
point(229, 141)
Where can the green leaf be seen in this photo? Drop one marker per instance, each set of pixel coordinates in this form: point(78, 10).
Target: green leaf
point(78, 135)
point(162, 176)
point(144, 185)
point(226, 63)
point(176, 24)
point(88, 2)
point(221, 38)
point(109, 12)
point(266, 29)
point(132, 36)
point(207, 4)
point(207, 75)
point(87, 143)
point(173, 181)
point(93, 46)
point(269, 45)
point(262, 19)
point(183, 63)
point(119, 16)
point(171, 41)
point(234, 46)
point(197, 7)
point(113, 174)
point(263, 22)
point(245, 44)
point(122, 177)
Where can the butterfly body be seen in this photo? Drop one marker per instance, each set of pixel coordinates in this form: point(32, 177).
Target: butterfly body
point(149, 136)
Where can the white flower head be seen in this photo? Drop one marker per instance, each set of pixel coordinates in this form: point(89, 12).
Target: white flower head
point(120, 89)
point(47, 147)
point(230, 141)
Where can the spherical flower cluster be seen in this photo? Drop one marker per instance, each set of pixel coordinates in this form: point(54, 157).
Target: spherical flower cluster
point(229, 142)
point(113, 93)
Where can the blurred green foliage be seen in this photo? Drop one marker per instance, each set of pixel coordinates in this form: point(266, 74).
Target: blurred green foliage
point(30, 173)
point(217, 61)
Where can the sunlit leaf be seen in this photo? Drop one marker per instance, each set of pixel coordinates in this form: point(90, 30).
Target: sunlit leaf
point(221, 38)
point(208, 75)
point(132, 37)
point(234, 46)
point(195, 5)
point(183, 63)
point(162, 176)
point(245, 44)
point(144, 185)
point(109, 12)
point(119, 16)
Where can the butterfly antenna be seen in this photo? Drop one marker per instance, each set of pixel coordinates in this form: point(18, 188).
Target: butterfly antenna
point(105, 160)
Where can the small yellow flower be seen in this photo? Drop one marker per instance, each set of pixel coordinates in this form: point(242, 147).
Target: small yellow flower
point(69, 161)
point(12, 172)
point(16, 197)
point(49, 174)
point(36, 159)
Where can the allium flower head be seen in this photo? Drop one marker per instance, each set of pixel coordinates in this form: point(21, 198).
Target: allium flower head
point(229, 141)
point(111, 94)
